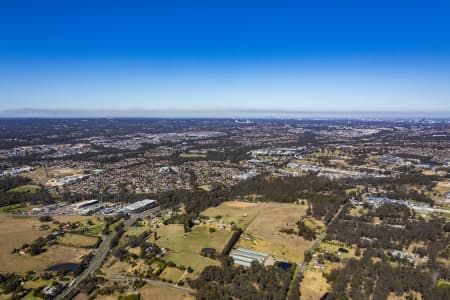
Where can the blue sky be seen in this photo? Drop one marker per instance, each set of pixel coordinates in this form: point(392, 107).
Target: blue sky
point(224, 58)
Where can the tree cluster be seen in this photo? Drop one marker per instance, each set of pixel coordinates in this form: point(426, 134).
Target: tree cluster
point(227, 282)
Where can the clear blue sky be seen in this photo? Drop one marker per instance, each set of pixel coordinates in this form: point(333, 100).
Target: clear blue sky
point(224, 58)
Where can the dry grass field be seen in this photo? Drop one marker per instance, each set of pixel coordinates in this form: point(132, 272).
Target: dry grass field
point(314, 285)
point(151, 292)
point(114, 266)
point(39, 176)
point(173, 274)
point(77, 240)
point(16, 231)
point(263, 221)
point(241, 213)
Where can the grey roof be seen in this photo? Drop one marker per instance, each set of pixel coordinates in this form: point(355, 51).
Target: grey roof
point(242, 256)
point(139, 204)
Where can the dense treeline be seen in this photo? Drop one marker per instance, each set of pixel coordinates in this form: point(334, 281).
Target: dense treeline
point(417, 179)
point(384, 236)
point(376, 279)
point(234, 238)
point(10, 182)
point(254, 283)
point(392, 213)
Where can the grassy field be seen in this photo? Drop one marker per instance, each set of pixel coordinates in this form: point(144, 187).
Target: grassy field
point(205, 187)
point(94, 230)
point(443, 284)
point(14, 208)
point(333, 248)
point(185, 247)
point(25, 189)
point(34, 284)
point(313, 285)
point(77, 240)
point(39, 176)
point(143, 225)
point(16, 231)
point(173, 274)
point(113, 267)
point(262, 227)
point(193, 155)
point(241, 213)
point(152, 292)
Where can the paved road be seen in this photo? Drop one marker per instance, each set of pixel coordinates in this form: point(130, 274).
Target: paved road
point(318, 241)
point(301, 266)
point(154, 282)
point(101, 252)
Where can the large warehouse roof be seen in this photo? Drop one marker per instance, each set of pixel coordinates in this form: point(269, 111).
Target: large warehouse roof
point(139, 204)
point(243, 256)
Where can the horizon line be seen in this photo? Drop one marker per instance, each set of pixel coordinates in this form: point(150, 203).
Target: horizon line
point(211, 113)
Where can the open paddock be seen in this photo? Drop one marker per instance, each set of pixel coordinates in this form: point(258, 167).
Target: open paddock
point(184, 248)
point(29, 188)
point(40, 176)
point(77, 240)
point(261, 222)
point(173, 274)
point(314, 285)
point(150, 292)
point(239, 212)
point(18, 230)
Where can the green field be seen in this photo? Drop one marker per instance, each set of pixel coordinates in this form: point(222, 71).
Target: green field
point(443, 284)
point(25, 189)
point(94, 230)
point(13, 208)
point(34, 284)
point(77, 240)
point(184, 249)
point(205, 187)
point(193, 155)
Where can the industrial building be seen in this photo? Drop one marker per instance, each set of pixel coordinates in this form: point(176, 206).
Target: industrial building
point(245, 257)
point(86, 203)
point(139, 206)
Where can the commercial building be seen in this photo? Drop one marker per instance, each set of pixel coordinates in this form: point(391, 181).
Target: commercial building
point(244, 257)
point(139, 206)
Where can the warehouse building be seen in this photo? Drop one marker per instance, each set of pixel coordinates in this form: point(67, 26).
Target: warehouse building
point(139, 206)
point(245, 257)
point(86, 203)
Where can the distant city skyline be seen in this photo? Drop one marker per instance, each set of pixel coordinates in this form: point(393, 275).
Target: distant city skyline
point(230, 59)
